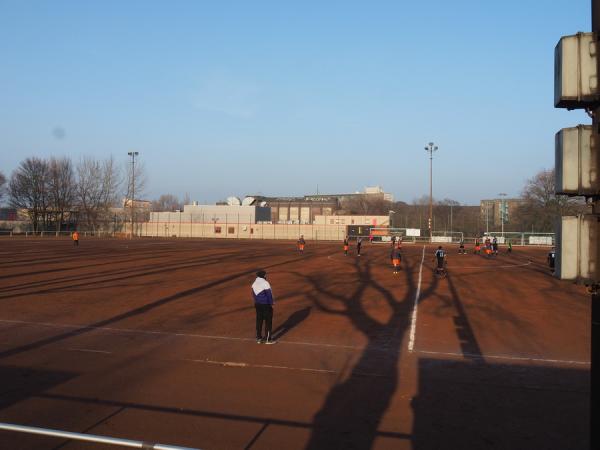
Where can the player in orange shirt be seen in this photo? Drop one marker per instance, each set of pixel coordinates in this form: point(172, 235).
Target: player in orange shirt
point(301, 243)
point(346, 246)
point(75, 237)
point(396, 257)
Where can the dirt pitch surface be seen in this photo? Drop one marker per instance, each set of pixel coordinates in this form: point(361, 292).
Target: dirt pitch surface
point(154, 340)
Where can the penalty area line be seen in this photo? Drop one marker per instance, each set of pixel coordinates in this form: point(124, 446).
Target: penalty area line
point(505, 357)
point(271, 366)
point(172, 334)
point(413, 320)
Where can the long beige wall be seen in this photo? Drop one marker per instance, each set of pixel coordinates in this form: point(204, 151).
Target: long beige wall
point(241, 231)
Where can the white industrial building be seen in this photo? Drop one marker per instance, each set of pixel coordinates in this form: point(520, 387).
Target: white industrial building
point(221, 214)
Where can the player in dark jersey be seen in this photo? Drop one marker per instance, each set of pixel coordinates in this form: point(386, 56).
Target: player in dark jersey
point(552, 259)
point(358, 245)
point(440, 258)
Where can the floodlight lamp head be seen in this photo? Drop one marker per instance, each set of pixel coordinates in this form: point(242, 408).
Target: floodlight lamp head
point(435, 148)
point(431, 144)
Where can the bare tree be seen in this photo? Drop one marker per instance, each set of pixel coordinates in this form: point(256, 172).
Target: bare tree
point(367, 204)
point(2, 185)
point(139, 177)
point(136, 183)
point(97, 189)
point(542, 207)
point(28, 189)
point(166, 202)
point(61, 188)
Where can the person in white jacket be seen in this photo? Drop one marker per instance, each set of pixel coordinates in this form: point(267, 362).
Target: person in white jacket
point(263, 303)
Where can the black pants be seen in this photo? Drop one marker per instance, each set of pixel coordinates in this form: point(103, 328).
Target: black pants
point(264, 313)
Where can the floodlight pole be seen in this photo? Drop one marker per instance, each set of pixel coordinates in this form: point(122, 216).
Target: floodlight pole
point(502, 203)
point(431, 148)
point(133, 155)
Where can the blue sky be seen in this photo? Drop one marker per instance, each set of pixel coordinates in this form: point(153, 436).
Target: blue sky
point(232, 98)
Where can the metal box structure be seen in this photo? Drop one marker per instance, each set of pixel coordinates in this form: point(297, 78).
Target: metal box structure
point(578, 253)
point(576, 162)
point(575, 77)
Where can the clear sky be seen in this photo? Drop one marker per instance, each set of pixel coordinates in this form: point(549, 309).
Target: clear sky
point(231, 98)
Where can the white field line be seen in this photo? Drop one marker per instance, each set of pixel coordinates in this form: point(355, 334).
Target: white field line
point(88, 350)
point(507, 357)
point(258, 366)
point(123, 330)
point(508, 266)
point(413, 320)
point(270, 366)
point(166, 333)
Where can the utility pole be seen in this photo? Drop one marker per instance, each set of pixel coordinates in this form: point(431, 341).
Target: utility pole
point(431, 148)
point(133, 155)
point(502, 208)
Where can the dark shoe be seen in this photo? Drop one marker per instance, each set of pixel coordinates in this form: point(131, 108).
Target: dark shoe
point(259, 340)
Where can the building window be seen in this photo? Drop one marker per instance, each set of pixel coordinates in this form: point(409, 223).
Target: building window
point(217, 230)
point(231, 230)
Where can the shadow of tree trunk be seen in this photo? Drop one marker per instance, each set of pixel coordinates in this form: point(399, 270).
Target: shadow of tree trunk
point(353, 409)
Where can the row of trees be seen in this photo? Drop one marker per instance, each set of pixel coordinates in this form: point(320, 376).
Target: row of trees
point(56, 192)
point(541, 208)
point(539, 211)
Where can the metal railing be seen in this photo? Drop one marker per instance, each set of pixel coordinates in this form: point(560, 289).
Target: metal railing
point(90, 437)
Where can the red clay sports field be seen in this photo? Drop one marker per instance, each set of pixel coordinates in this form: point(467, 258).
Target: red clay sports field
point(154, 340)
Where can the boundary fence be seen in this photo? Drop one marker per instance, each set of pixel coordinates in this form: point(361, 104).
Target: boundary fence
point(280, 231)
point(49, 234)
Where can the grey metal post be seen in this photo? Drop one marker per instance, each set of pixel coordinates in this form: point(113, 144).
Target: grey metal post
point(502, 207)
point(595, 289)
point(133, 155)
point(431, 148)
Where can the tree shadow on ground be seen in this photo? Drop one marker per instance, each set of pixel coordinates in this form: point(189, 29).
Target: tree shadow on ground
point(132, 313)
point(475, 404)
point(351, 414)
